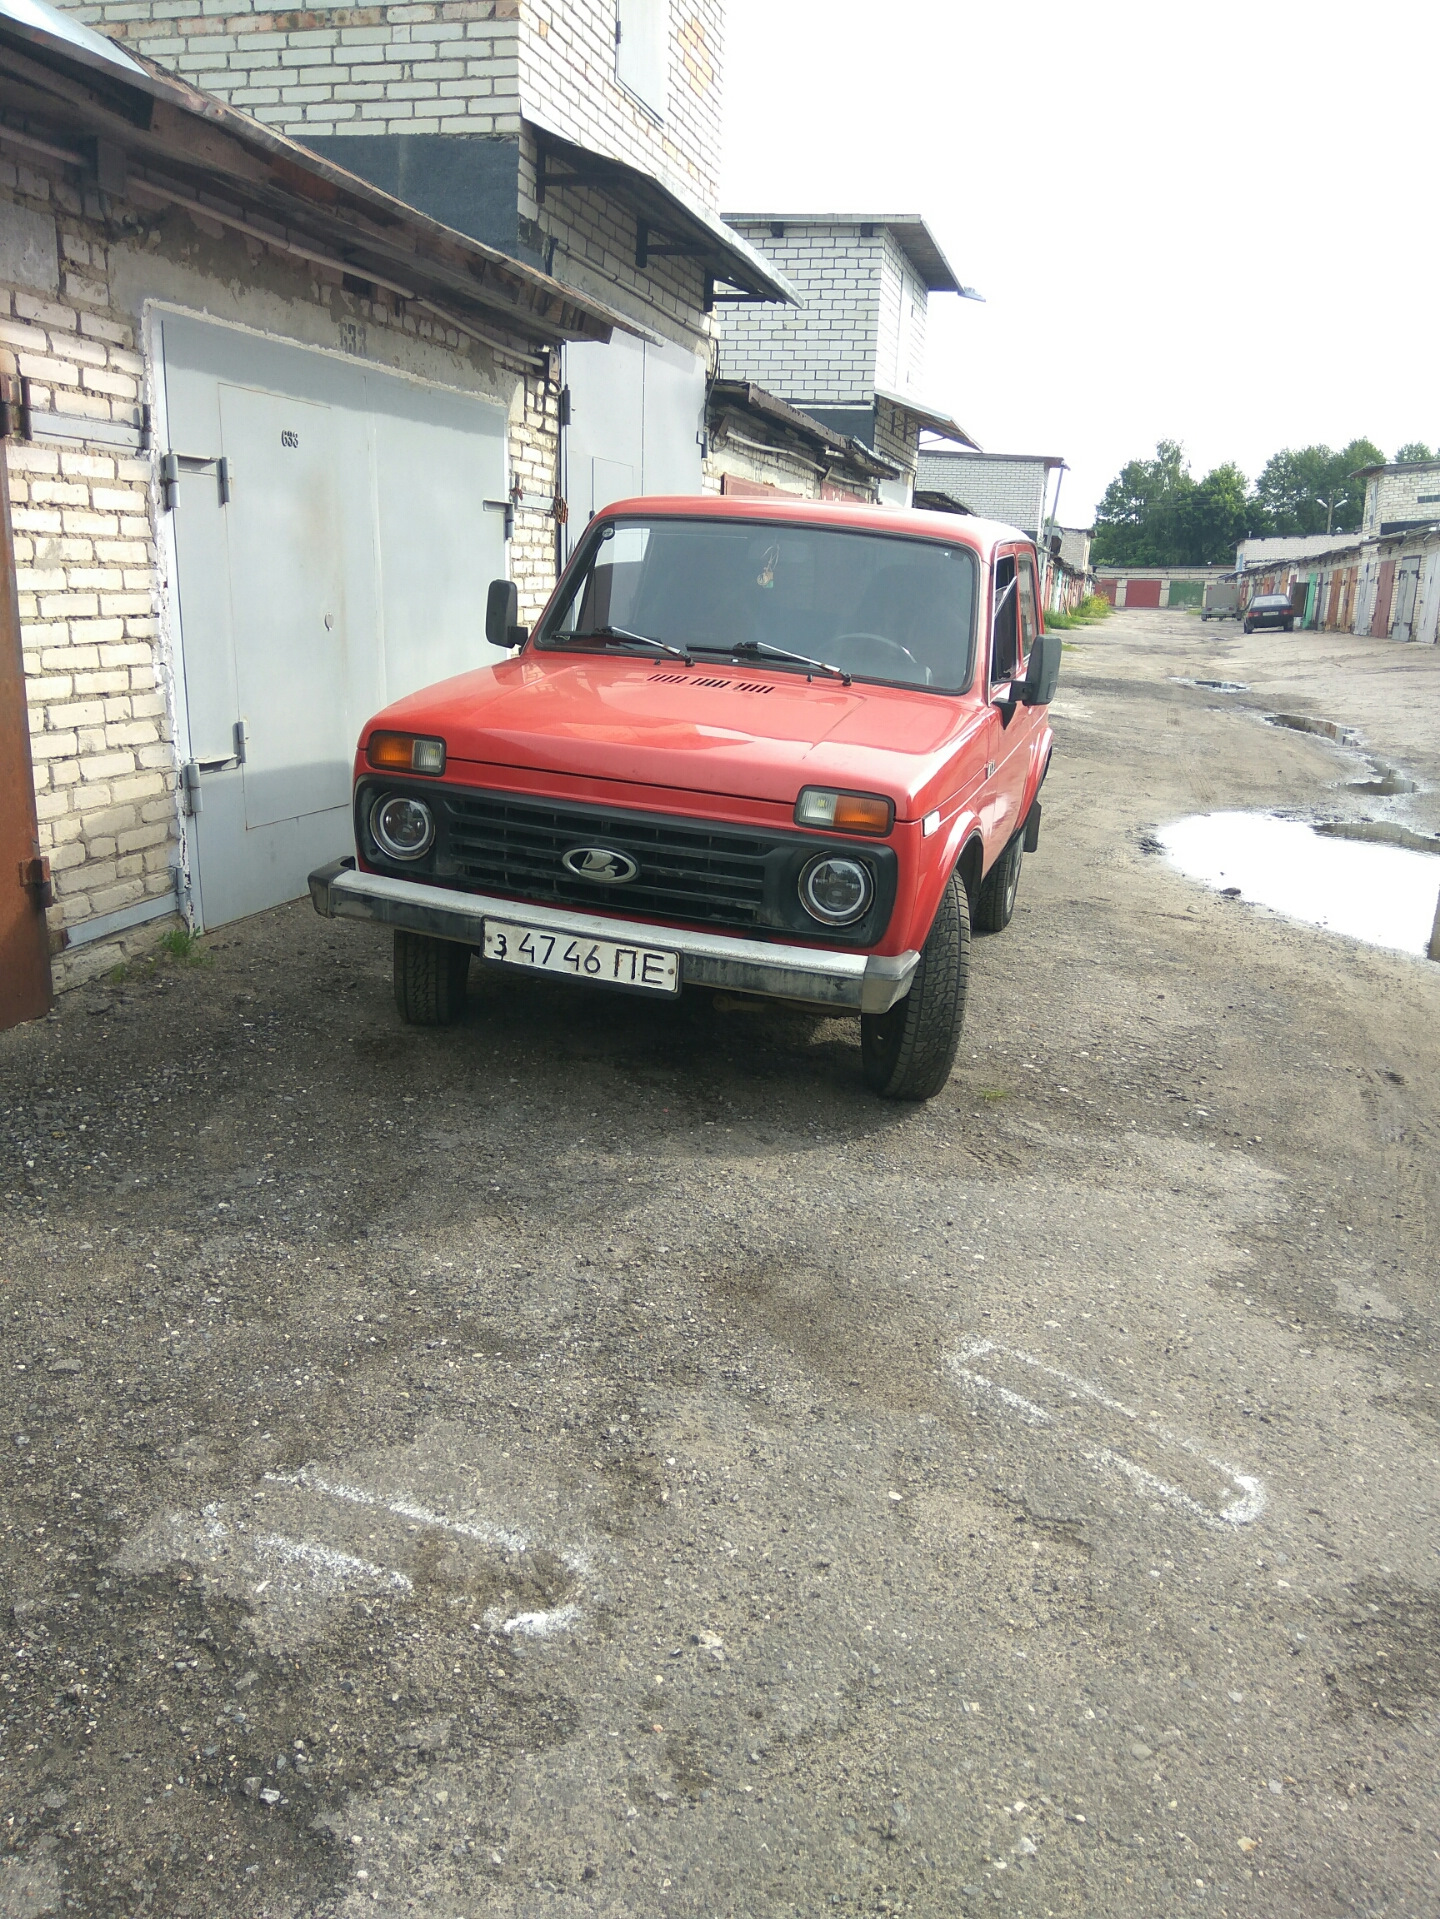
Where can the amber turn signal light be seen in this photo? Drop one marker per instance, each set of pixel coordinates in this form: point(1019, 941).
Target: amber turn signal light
point(844, 812)
point(404, 753)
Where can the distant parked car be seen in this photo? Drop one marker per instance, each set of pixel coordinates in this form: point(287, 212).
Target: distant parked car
point(1270, 609)
point(1222, 600)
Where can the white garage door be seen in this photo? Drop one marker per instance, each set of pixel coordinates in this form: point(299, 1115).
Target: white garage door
point(637, 418)
point(333, 549)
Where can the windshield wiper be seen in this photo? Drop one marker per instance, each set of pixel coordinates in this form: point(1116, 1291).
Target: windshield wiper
point(640, 639)
point(757, 649)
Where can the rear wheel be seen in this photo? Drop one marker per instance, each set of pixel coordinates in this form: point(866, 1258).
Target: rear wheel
point(996, 903)
point(909, 1051)
point(430, 978)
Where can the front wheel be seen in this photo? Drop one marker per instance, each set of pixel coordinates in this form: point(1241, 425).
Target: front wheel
point(430, 978)
point(909, 1051)
point(996, 904)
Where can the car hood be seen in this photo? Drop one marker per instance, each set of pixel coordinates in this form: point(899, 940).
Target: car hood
point(745, 733)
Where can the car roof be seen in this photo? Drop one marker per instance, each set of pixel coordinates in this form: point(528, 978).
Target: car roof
point(965, 529)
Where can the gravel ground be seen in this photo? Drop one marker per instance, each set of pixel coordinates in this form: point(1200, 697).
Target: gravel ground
point(599, 1461)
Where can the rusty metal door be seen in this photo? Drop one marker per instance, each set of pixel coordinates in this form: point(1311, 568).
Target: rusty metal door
point(24, 875)
point(1384, 589)
point(1142, 593)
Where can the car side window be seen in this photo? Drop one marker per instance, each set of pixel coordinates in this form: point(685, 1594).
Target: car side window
point(1029, 625)
point(1004, 645)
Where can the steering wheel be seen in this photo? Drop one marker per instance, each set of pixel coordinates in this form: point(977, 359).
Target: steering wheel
point(892, 646)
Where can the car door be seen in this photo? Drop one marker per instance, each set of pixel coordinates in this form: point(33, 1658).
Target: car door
point(1012, 631)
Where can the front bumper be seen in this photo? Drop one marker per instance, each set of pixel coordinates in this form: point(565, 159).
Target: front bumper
point(850, 982)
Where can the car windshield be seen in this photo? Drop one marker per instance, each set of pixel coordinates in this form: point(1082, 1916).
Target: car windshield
point(871, 605)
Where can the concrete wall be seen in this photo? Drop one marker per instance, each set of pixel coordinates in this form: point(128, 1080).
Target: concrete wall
point(95, 602)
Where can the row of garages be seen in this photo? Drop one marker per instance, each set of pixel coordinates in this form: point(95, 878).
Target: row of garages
point(1387, 588)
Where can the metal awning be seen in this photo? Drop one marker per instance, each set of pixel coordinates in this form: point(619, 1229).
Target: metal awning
point(909, 230)
point(668, 221)
point(929, 416)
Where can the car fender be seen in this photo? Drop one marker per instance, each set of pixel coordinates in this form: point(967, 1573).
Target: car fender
point(939, 856)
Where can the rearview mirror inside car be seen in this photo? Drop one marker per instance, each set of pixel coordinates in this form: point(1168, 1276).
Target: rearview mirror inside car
point(1042, 670)
point(501, 606)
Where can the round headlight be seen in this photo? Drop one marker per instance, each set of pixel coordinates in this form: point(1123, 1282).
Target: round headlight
point(836, 890)
point(403, 828)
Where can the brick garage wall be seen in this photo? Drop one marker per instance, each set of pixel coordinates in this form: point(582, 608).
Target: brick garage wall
point(85, 559)
point(826, 351)
point(534, 470)
point(595, 253)
point(897, 435)
point(734, 450)
point(92, 589)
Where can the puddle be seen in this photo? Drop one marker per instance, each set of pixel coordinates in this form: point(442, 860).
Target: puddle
point(1380, 833)
point(1382, 894)
point(1327, 729)
point(1387, 785)
point(1216, 686)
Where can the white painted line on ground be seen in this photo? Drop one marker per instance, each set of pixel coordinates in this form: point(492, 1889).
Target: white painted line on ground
point(486, 1534)
point(1246, 1507)
point(534, 1625)
point(342, 1565)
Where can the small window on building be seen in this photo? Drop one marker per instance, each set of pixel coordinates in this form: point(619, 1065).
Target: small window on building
point(642, 50)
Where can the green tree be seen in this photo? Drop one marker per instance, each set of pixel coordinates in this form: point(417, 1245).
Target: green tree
point(1213, 517)
point(1136, 521)
point(1413, 450)
point(1309, 489)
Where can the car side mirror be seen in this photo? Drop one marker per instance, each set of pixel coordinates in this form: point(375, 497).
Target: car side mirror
point(1042, 670)
point(501, 606)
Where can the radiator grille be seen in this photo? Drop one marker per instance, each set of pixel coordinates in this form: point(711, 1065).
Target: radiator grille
point(689, 871)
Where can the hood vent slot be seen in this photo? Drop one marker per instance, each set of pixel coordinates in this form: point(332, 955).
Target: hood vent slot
point(738, 686)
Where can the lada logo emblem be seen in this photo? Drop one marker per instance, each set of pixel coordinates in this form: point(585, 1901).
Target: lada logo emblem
point(599, 863)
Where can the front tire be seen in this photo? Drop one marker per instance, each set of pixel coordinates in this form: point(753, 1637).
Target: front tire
point(909, 1051)
point(430, 978)
point(996, 904)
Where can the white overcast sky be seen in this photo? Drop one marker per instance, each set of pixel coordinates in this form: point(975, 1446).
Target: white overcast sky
point(1190, 219)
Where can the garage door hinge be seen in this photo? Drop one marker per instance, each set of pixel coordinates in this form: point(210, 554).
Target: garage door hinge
point(35, 878)
point(191, 799)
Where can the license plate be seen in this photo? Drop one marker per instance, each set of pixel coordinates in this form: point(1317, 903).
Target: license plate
point(650, 969)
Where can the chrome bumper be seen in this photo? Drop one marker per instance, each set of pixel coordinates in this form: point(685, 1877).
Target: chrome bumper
point(850, 982)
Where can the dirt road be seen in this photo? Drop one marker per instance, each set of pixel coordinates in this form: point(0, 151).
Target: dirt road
point(601, 1462)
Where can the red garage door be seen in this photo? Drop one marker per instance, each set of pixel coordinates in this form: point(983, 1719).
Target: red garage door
point(1142, 593)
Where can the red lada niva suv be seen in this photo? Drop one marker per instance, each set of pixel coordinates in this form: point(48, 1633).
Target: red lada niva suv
point(782, 748)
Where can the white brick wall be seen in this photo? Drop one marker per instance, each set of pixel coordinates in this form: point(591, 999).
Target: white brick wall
point(1012, 490)
point(1402, 496)
point(451, 67)
point(827, 351)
